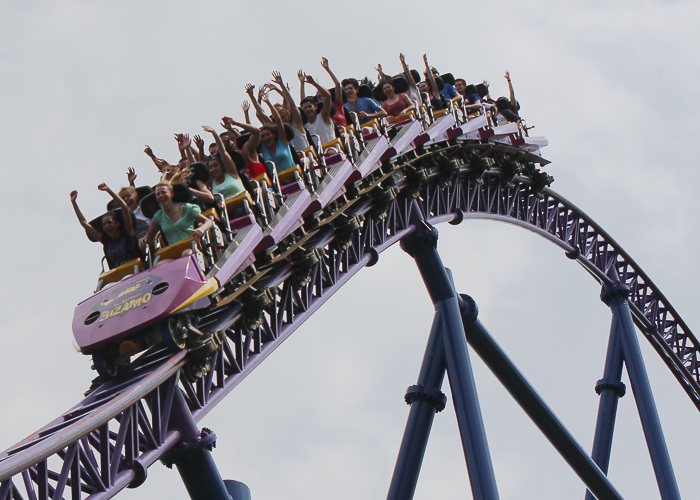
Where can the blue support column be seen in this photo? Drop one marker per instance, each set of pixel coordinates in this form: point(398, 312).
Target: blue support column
point(192, 456)
point(422, 246)
point(426, 400)
point(532, 403)
point(611, 389)
point(616, 298)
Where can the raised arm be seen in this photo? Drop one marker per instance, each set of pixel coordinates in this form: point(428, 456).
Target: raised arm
point(158, 162)
point(199, 151)
point(131, 176)
point(513, 100)
point(250, 147)
point(126, 214)
point(302, 80)
point(327, 100)
point(185, 145)
point(380, 73)
point(93, 233)
point(429, 75)
point(281, 132)
point(259, 111)
point(245, 106)
point(229, 166)
point(297, 121)
point(336, 82)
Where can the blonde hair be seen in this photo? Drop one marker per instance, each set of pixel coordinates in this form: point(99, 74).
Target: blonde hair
point(131, 190)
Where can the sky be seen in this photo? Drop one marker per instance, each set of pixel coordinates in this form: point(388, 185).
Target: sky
point(84, 86)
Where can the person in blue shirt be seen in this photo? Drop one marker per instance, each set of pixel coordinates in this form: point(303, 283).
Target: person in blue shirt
point(366, 108)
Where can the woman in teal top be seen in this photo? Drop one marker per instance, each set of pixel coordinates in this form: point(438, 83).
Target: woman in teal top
point(177, 221)
point(224, 174)
point(274, 139)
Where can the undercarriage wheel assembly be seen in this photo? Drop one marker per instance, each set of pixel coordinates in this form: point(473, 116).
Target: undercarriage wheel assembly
point(253, 308)
point(304, 262)
point(345, 230)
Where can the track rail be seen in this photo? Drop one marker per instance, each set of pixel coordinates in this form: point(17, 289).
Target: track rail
point(108, 441)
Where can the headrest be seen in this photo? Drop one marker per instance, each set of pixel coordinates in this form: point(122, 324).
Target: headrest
point(416, 75)
point(470, 89)
point(378, 94)
point(200, 171)
point(482, 90)
point(364, 91)
point(448, 78)
point(239, 159)
point(440, 84)
point(344, 97)
point(304, 116)
point(289, 131)
point(242, 139)
point(502, 103)
point(96, 223)
point(181, 194)
point(400, 84)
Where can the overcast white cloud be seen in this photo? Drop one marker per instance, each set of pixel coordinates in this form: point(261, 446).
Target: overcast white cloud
point(85, 85)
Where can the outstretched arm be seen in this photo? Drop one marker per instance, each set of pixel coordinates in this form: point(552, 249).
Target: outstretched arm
point(251, 145)
point(131, 176)
point(302, 80)
point(93, 233)
point(158, 162)
point(338, 86)
point(259, 111)
point(327, 104)
point(281, 132)
point(128, 223)
point(429, 75)
point(513, 101)
point(229, 166)
point(297, 122)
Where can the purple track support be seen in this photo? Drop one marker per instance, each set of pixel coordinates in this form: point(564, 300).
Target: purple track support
point(141, 400)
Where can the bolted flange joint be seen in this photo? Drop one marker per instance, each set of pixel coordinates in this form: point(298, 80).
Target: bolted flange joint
point(422, 393)
point(207, 440)
point(614, 290)
point(420, 241)
point(606, 384)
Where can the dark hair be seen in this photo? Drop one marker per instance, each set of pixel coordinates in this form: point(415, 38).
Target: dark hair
point(114, 215)
point(271, 128)
point(463, 81)
point(308, 99)
point(350, 81)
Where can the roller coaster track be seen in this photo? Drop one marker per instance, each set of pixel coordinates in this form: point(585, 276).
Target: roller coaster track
point(107, 442)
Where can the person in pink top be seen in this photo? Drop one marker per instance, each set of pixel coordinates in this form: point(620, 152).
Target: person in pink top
point(396, 105)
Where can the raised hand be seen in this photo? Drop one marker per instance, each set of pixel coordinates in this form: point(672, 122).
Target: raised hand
point(402, 59)
point(324, 63)
point(102, 187)
point(131, 175)
point(149, 151)
point(271, 86)
point(185, 142)
point(199, 142)
point(379, 69)
point(277, 78)
point(262, 92)
point(507, 75)
point(266, 98)
point(207, 128)
point(425, 59)
point(73, 196)
point(301, 76)
point(310, 79)
point(245, 106)
point(161, 163)
point(249, 89)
